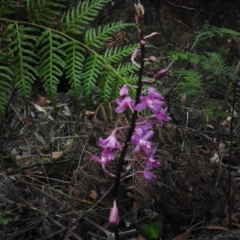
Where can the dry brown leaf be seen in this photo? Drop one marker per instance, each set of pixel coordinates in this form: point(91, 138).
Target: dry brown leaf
point(135, 210)
point(93, 194)
point(205, 152)
point(235, 217)
point(221, 147)
point(57, 155)
point(183, 98)
point(182, 236)
point(210, 126)
point(42, 101)
point(27, 119)
point(141, 237)
point(23, 161)
point(215, 158)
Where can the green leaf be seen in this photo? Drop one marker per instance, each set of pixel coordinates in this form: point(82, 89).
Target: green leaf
point(4, 221)
point(151, 231)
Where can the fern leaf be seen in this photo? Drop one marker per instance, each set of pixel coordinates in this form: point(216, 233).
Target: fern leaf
point(191, 83)
point(44, 11)
point(210, 31)
point(189, 56)
point(126, 69)
point(116, 54)
point(125, 75)
point(74, 63)
point(76, 19)
point(10, 7)
point(106, 85)
point(23, 58)
point(51, 63)
point(91, 71)
point(218, 64)
point(97, 37)
point(5, 87)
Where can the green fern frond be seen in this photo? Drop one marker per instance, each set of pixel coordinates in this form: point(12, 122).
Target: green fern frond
point(189, 56)
point(51, 63)
point(74, 63)
point(218, 66)
point(6, 76)
point(212, 62)
point(91, 71)
point(44, 11)
point(9, 7)
point(97, 37)
point(116, 54)
point(107, 85)
point(190, 84)
point(125, 70)
point(76, 19)
point(23, 58)
point(46, 50)
point(126, 74)
point(210, 31)
point(128, 78)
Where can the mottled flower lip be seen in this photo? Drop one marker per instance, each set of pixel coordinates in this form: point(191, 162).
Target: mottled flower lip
point(148, 175)
point(111, 142)
point(124, 103)
point(150, 161)
point(154, 101)
point(161, 117)
point(140, 138)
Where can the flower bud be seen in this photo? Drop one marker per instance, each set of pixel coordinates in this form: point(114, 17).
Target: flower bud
point(135, 53)
point(124, 91)
point(142, 42)
point(152, 59)
point(160, 74)
point(139, 10)
point(114, 216)
point(152, 35)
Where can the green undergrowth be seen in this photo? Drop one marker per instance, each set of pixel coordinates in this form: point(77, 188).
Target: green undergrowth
point(47, 41)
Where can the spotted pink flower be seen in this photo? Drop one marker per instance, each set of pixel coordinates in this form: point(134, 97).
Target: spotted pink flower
point(111, 142)
point(150, 161)
point(148, 175)
point(140, 140)
point(162, 116)
point(153, 101)
point(124, 103)
point(106, 157)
